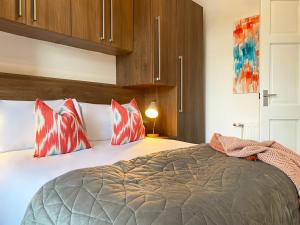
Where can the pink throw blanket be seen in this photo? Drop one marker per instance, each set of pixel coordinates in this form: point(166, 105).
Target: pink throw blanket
point(269, 152)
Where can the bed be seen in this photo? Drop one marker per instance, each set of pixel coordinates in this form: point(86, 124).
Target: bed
point(22, 175)
point(176, 184)
point(152, 181)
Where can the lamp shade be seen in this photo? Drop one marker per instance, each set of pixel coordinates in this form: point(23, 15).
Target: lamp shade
point(152, 111)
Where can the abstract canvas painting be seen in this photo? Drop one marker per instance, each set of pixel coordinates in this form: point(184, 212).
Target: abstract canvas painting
point(246, 56)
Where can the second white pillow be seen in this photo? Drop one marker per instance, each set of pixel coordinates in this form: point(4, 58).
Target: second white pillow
point(97, 119)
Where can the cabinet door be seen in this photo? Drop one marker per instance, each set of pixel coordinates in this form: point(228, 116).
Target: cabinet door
point(121, 24)
point(52, 15)
point(154, 57)
point(136, 68)
point(88, 17)
point(13, 10)
point(190, 72)
point(181, 65)
point(164, 38)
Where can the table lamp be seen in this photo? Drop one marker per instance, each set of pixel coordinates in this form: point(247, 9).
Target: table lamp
point(152, 113)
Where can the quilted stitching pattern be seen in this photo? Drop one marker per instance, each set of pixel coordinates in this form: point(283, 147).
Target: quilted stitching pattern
point(192, 186)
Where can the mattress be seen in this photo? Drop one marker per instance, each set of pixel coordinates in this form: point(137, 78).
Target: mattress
point(22, 175)
point(189, 186)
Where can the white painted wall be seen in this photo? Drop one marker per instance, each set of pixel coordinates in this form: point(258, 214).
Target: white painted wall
point(22, 55)
point(222, 107)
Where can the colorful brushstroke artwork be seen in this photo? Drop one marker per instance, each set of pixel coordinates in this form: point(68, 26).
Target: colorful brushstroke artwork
point(246, 56)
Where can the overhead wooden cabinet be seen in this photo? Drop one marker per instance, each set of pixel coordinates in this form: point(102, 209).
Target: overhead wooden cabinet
point(190, 100)
point(51, 15)
point(106, 22)
point(97, 25)
point(154, 59)
point(120, 28)
point(13, 10)
point(87, 20)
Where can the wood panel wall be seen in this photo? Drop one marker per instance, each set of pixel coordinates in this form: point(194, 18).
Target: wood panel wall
point(29, 88)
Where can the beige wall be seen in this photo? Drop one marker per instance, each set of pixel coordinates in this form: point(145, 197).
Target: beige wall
point(28, 56)
point(222, 107)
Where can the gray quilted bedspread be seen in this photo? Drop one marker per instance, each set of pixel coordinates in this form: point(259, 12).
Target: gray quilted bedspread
point(191, 186)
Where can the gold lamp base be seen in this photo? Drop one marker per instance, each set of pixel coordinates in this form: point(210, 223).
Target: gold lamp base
point(152, 135)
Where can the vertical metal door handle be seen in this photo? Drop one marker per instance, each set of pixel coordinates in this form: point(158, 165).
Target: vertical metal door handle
point(111, 21)
point(103, 20)
point(181, 84)
point(34, 17)
point(158, 77)
point(20, 8)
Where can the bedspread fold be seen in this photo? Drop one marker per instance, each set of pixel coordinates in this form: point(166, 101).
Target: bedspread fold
point(269, 152)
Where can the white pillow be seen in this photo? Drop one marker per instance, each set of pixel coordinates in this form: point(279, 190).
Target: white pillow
point(17, 131)
point(97, 120)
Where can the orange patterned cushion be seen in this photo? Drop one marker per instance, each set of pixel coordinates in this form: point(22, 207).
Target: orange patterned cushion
point(127, 123)
point(58, 133)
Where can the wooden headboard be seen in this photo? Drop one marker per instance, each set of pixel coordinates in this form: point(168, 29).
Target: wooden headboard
point(29, 88)
point(24, 87)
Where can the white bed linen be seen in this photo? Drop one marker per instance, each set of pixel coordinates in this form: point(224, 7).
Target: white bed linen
point(21, 175)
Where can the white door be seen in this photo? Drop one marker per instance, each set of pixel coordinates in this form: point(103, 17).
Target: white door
point(280, 72)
